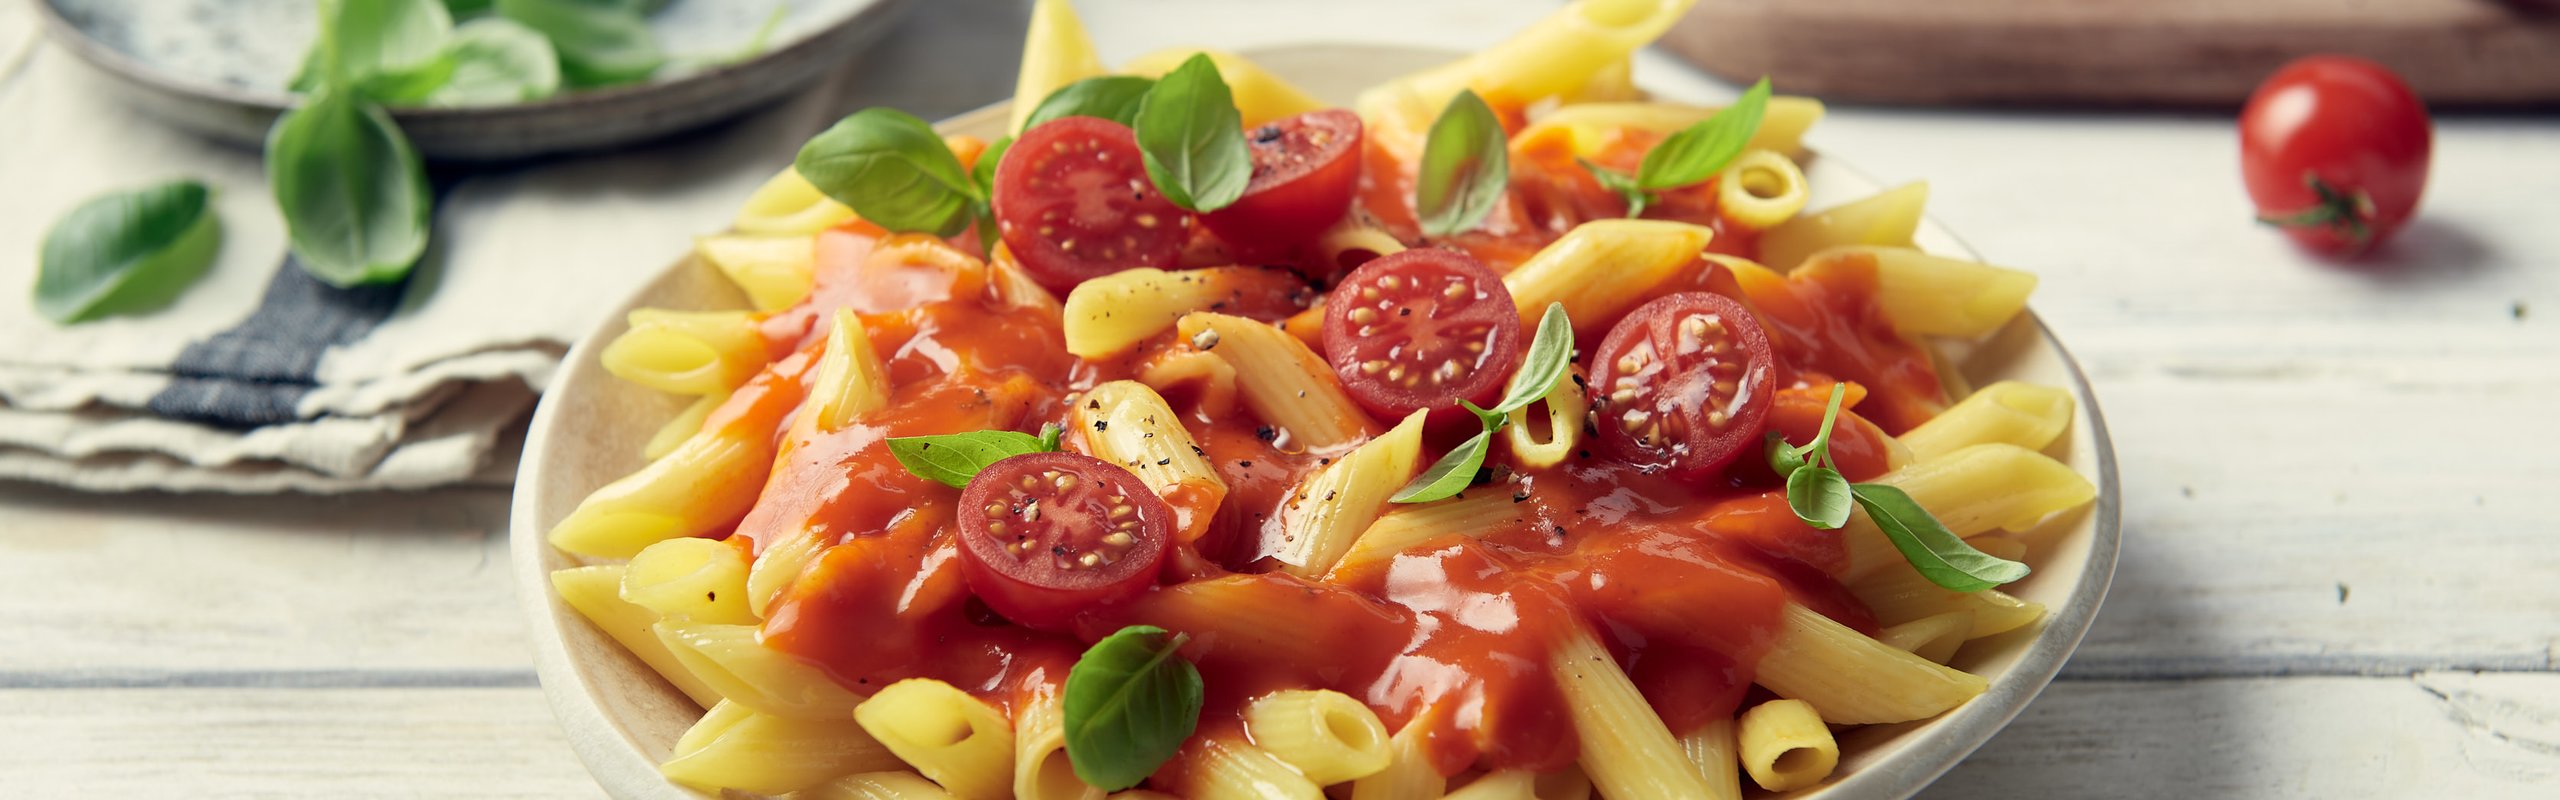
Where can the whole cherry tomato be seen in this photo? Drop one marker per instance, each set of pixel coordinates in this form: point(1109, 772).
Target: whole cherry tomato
point(2334, 150)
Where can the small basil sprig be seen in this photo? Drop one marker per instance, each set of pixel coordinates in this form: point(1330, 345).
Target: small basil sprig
point(1466, 163)
point(892, 169)
point(1820, 497)
point(953, 459)
point(1192, 137)
point(1130, 702)
point(1690, 156)
point(126, 250)
point(1550, 353)
point(352, 189)
point(391, 50)
point(1112, 97)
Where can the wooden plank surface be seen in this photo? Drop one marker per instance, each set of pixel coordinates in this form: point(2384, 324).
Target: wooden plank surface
point(2212, 52)
point(2331, 482)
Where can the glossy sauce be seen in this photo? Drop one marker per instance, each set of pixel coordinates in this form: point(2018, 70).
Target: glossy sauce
point(1683, 582)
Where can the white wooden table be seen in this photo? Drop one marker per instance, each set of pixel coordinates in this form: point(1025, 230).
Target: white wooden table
point(2339, 576)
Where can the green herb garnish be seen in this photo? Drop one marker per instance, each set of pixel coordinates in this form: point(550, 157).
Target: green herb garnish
point(127, 250)
point(892, 169)
point(1550, 353)
point(1192, 138)
point(1692, 155)
point(1821, 497)
point(1130, 703)
point(953, 459)
point(1466, 163)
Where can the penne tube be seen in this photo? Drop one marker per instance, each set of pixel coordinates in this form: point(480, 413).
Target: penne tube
point(1015, 288)
point(1329, 737)
point(1476, 513)
point(1785, 746)
point(1229, 768)
point(775, 272)
point(1711, 750)
point(1282, 380)
point(1559, 56)
point(1889, 218)
point(1625, 747)
point(1356, 239)
point(596, 593)
point(1261, 97)
point(707, 482)
point(1971, 490)
point(1926, 295)
point(733, 747)
point(1332, 507)
point(851, 380)
point(1898, 594)
point(1934, 638)
point(778, 566)
point(1759, 190)
point(703, 580)
point(1113, 313)
point(789, 205)
point(1509, 784)
point(1409, 773)
point(1602, 269)
point(1041, 769)
point(1126, 423)
point(1055, 52)
point(685, 424)
point(732, 661)
point(2009, 412)
point(957, 740)
point(687, 352)
point(1854, 680)
point(887, 785)
point(1210, 379)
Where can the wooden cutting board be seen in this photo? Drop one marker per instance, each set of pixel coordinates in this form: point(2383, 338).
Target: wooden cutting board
point(2482, 53)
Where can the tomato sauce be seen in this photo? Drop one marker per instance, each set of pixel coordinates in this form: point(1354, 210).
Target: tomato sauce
point(1683, 582)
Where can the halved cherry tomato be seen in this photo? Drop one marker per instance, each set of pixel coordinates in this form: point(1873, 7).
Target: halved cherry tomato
point(2334, 151)
point(1422, 329)
point(1683, 384)
point(1304, 171)
point(1073, 202)
point(1046, 535)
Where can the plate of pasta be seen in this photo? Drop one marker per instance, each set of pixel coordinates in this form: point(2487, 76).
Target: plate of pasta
point(1326, 421)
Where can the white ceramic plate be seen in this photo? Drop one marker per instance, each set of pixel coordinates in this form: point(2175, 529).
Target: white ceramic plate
point(622, 719)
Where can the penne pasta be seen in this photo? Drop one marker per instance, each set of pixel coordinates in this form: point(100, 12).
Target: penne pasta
point(775, 272)
point(596, 593)
point(1934, 638)
point(1326, 735)
point(1759, 190)
point(1851, 679)
point(696, 579)
point(1285, 383)
point(1590, 126)
point(1544, 433)
point(1056, 51)
point(1041, 769)
point(1625, 747)
point(687, 352)
point(734, 747)
point(686, 423)
point(1126, 423)
point(896, 785)
point(1409, 774)
point(706, 482)
point(1558, 57)
point(1888, 218)
point(851, 380)
point(1898, 594)
point(1971, 490)
point(1509, 784)
point(1210, 380)
point(958, 741)
point(1112, 313)
point(1333, 506)
point(2009, 412)
point(1711, 750)
point(1229, 768)
point(1785, 746)
point(733, 662)
point(1476, 513)
point(1603, 268)
point(789, 205)
point(1926, 295)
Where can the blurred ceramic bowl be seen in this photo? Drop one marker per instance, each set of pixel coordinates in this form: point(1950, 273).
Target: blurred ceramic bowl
point(220, 67)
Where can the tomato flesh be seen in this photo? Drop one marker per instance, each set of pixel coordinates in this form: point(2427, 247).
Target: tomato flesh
point(1044, 536)
point(2334, 150)
point(1422, 329)
point(1072, 201)
point(1683, 385)
point(1304, 172)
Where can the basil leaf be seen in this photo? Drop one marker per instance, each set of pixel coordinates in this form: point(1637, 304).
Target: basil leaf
point(498, 61)
point(983, 173)
point(1783, 458)
point(1450, 475)
point(127, 250)
point(1939, 554)
point(1192, 138)
point(1620, 183)
point(1466, 164)
point(1550, 352)
point(1699, 151)
point(463, 8)
point(952, 459)
point(1819, 496)
point(1049, 434)
point(601, 42)
point(353, 192)
point(1130, 702)
point(892, 169)
point(380, 43)
point(1112, 97)
point(1492, 420)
